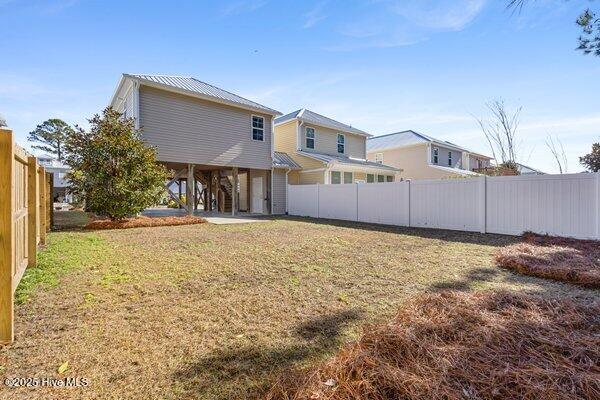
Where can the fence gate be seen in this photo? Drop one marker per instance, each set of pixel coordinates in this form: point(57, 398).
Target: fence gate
point(23, 222)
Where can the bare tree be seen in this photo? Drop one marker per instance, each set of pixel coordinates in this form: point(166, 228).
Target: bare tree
point(558, 152)
point(500, 131)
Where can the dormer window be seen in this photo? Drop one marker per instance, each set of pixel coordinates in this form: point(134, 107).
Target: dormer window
point(341, 143)
point(436, 153)
point(310, 138)
point(258, 128)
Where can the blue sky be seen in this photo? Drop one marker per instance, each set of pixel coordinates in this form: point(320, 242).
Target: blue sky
point(382, 66)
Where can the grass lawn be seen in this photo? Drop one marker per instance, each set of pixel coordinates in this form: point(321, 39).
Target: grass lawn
point(214, 311)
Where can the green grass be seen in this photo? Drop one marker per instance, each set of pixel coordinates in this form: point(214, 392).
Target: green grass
point(63, 253)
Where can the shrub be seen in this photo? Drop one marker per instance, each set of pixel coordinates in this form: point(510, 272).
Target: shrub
point(112, 169)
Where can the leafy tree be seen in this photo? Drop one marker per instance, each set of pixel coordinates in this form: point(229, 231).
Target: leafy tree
point(589, 41)
point(112, 169)
point(51, 136)
point(592, 161)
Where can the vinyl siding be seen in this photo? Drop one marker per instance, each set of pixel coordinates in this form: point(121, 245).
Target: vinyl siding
point(309, 178)
point(279, 191)
point(443, 157)
point(285, 138)
point(326, 142)
point(189, 130)
point(413, 161)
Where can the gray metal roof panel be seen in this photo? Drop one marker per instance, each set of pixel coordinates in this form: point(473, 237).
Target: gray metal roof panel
point(406, 138)
point(194, 85)
point(312, 117)
point(346, 160)
point(283, 160)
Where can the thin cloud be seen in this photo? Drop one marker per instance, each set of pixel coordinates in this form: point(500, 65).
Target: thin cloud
point(447, 15)
point(243, 6)
point(315, 15)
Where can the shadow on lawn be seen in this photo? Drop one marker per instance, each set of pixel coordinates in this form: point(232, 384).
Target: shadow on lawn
point(488, 239)
point(243, 372)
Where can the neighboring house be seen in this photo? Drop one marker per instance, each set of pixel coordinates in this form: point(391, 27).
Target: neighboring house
point(424, 157)
point(326, 151)
point(526, 170)
point(60, 190)
point(219, 139)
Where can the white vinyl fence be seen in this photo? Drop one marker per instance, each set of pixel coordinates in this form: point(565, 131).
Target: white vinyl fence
point(563, 205)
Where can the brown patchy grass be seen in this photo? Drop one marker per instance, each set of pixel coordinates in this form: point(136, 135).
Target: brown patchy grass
point(216, 311)
point(485, 345)
point(563, 259)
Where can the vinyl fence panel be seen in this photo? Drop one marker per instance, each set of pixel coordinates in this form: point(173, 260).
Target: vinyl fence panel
point(446, 204)
point(338, 202)
point(563, 205)
point(303, 200)
point(384, 203)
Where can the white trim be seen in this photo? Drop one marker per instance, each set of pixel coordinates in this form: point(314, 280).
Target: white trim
point(252, 128)
point(314, 138)
point(337, 143)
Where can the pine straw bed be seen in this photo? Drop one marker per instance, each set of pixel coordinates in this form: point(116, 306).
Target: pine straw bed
point(465, 346)
point(568, 260)
point(141, 222)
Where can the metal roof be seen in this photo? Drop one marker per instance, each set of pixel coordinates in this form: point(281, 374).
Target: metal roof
point(311, 117)
point(406, 138)
point(283, 160)
point(327, 158)
point(201, 89)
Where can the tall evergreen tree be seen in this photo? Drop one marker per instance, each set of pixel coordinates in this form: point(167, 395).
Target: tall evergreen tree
point(50, 136)
point(592, 161)
point(2, 121)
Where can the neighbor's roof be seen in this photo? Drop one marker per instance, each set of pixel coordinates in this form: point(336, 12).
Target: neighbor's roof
point(524, 170)
point(283, 160)
point(195, 87)
point(455, 170)
point(327, 158)
point(406, 138)
point(311, 117)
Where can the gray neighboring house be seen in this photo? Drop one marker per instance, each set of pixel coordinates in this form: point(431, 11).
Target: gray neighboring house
point(60, 191)
point(218, 141)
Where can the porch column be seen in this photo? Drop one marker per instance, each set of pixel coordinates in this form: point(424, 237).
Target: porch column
point(190, 190)
point(234, 191)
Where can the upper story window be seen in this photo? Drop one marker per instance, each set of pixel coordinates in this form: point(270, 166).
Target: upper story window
point(379, 158)
point(436, 153)
point(449, 158)
point(479, 163)
point(258, 128)
point(310, 138)
point(341, 143)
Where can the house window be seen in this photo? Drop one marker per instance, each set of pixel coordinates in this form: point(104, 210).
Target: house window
point(370, 178)
point(336, 177)
point(379, 158)
point(479, 164)
point(449, 158)
point(436, 153)
point(347, 177)
point(389, 178)
point(258, 128)
point(310, 138)
point(341, 143)
point(380, 178)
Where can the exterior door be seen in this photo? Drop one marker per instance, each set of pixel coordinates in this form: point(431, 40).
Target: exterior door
point(257, 195)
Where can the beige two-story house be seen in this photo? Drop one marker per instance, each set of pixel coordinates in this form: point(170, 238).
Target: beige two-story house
point(218, 145)
point(424, 157)
point(326, 151)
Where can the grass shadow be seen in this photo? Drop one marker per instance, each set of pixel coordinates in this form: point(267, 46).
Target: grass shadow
point(245, 371)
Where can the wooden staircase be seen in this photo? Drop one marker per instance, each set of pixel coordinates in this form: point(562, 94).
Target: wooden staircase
point(227, 189)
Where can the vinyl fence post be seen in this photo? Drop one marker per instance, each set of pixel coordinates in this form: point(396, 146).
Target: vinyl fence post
point(482, 203)
point(318, 205)
point(408, 202)
point(7, 238)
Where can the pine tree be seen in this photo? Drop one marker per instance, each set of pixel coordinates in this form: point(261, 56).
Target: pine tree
point(51, 135)
point(592, 161)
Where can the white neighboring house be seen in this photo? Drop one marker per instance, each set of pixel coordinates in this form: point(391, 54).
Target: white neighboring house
point(60, 191)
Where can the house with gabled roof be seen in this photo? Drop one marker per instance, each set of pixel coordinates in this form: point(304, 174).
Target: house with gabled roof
point(327, 151)
point(216, 143)
point(424, 157)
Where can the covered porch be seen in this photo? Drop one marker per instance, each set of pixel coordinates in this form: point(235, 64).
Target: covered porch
point(199, 189)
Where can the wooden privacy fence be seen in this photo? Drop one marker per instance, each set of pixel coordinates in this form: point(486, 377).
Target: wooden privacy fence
point(25, 208)
point(562, 205)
